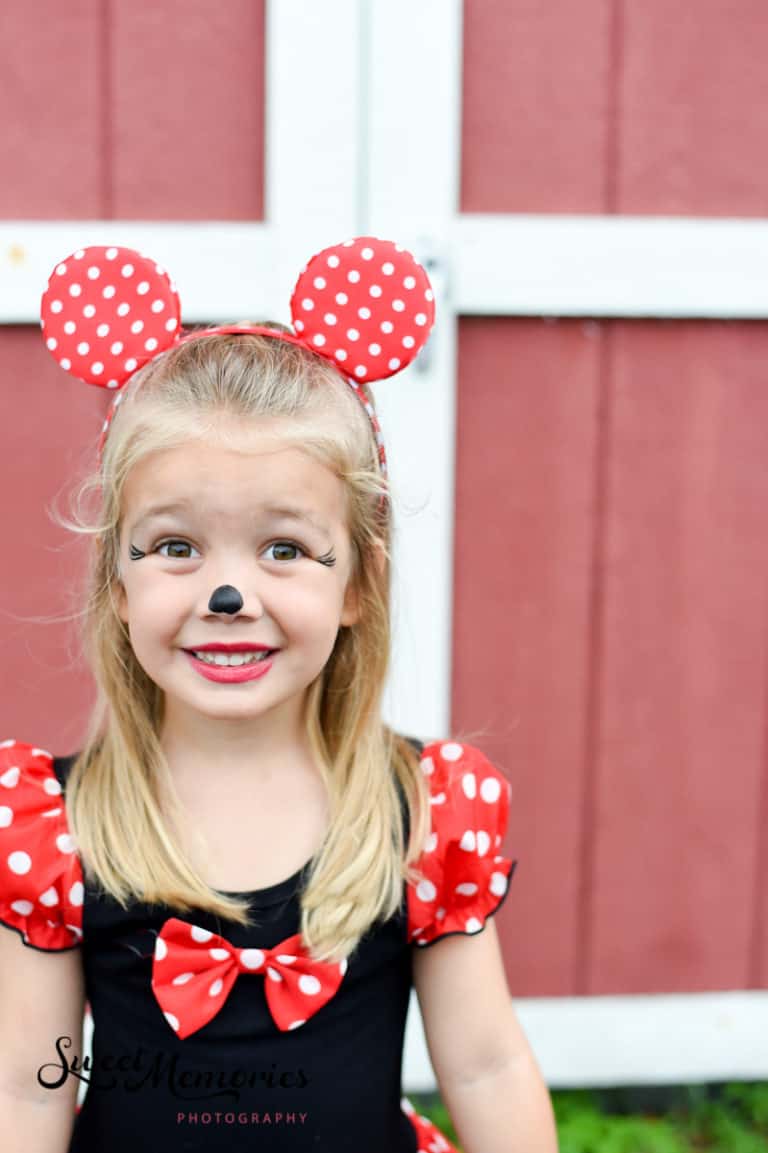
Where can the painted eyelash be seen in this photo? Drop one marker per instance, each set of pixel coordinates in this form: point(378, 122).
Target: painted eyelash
point(328, 558)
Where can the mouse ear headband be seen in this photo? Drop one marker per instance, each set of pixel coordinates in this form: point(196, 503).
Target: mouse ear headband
point(366, 305)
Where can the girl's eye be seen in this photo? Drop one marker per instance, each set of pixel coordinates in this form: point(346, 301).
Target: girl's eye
point(282, 544)
point(183, 544)
point(173, 543)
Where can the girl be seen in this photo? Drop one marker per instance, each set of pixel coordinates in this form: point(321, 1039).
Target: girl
point(244, 869)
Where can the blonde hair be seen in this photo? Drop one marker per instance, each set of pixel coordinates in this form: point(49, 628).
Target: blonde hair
point(115, 783)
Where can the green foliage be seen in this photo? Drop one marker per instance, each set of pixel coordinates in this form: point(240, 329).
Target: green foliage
point(730, 1118)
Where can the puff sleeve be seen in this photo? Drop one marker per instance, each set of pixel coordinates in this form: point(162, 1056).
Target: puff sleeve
point(466, 876)
point(41, 880)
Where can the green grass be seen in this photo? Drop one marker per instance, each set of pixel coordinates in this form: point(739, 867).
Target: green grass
point(723, 1118)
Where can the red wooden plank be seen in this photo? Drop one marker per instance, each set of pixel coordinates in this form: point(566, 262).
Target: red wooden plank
point(187, 110)
point(537, 105)
point(679, 745)
point(51, 424)
point(52, 84)
point(694, 108)
point(523, 555)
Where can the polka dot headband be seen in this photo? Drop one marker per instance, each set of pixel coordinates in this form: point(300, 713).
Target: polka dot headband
point(365, 305)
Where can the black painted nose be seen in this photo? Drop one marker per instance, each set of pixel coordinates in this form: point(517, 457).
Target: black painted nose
point(225, 599)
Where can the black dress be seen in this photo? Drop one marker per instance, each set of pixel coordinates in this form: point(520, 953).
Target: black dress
point(214, 1039)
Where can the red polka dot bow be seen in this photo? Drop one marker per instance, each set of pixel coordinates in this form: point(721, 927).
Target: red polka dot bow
point(193, 971)
point(366, 305)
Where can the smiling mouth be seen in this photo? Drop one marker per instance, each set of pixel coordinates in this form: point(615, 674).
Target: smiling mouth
point(231, 660)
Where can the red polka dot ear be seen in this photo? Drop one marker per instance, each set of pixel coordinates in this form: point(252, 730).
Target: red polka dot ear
point(366, 304)
point(106, 312)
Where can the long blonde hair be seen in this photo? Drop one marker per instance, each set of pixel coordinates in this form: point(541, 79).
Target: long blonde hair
point(114, 787)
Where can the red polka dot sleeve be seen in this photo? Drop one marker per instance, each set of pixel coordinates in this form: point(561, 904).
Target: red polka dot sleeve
point(466, 876)
point(41, 880)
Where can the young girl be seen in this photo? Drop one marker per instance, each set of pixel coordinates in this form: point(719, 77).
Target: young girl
point(244, 870)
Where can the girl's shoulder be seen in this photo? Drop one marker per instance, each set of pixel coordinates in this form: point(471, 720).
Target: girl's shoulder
point(465, 874)
point(41, 878)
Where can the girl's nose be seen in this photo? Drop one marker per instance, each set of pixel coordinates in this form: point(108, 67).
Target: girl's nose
point(225, 599)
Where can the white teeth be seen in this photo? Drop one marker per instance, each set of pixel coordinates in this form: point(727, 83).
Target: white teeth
point(234, 659)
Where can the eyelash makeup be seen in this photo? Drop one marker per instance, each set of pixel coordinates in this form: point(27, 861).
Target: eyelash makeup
point(328, 559)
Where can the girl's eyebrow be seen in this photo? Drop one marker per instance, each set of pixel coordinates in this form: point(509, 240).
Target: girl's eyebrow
point(285, 512)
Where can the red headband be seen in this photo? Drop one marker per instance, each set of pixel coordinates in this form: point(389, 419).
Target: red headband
point(365, 305)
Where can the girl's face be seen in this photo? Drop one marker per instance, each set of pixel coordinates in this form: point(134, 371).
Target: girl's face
point(255, 519)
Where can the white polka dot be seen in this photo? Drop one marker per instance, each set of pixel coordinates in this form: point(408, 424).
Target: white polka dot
point(451, 751)
point(61, 269)
point(56, 306)
point(116, 348)
point(102, 330)
point(361, 371)
point(51, 342)
point(83, 348)
point(219, 954)
point(427, 766)
point(429, 294)
point(367, 254)
point(498, 884)
point(23, 907)
point(307, 304)
point(94, 273)
point(123, 309)
point(342, 298)
point(343, 965)
point(353, 334)
point(6, 816)
point(111, 253)
point(490, 790)
point(333, 261)
point(182, 978)
point(469, 785)
point(171, 324)
point(89, 311)
point(353, 276)
point(286, 958)
point(97, 368)
point(70, 327)
point(398, 305)
point(198, 934)
point(65, 843)
point(375, 290)
point(158, 305)
point(76, 893)
point(130, 364)
point(347, 243)
point(420, 318)
point(127, 270)
point(299, 325)
point(318, 339)
point(49, 898)
point(388, 268)
point(330, 319)
point(75, 290)
point(341, 354)
point(473, 925)
point(142, 288)
point(150, 344)
point(426, 891)
point(161, 949)
point(51, 813)
point(409, 282)
point(273, 974)
point(431, 843)
point(65, 363)
point(112, 384)
point(468, 842)
point(252, 958)
point(483, 842)
point(296, 1024)
point(374, 349)
point(172, 1021)
point(408, 342)
point(466, 888)
point(319, 282)
point(108, 292)
point(394, 364)
point(387, 326)
point(79, 254)
point(309, 984)
point(364, 313)
point(137, 326)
